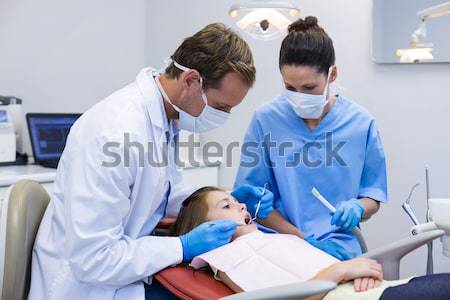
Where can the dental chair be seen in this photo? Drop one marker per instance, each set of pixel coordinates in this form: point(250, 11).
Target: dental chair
point(24, 207)
point(21, 214)
point(189, 284)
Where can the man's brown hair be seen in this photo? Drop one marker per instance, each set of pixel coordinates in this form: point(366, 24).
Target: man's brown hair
point(214, 51)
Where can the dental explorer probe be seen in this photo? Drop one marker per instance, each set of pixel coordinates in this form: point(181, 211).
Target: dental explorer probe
point(257, 207)
point(259, 203)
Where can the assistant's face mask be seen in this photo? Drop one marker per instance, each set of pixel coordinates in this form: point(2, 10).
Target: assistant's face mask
point(208, 119)
point(308, 106)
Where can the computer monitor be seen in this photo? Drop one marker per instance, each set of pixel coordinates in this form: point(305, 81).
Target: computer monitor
point(48, 135)
point(3, 116)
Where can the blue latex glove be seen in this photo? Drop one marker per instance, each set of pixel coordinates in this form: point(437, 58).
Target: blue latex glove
point(250, 195)
point(206, 237)
point(348, 214)
point(329, 247)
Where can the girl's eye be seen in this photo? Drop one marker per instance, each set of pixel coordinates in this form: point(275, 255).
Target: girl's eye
point(227, 206)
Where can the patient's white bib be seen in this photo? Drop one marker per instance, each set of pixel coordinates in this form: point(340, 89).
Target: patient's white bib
point(257, 260)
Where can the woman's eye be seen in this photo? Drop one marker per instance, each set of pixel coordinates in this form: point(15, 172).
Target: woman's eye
point(222, 108)
point(227, 206)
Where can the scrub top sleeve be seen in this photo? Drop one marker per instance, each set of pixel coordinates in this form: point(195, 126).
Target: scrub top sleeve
point(254, 167)
point(96, 202)
point(373, 180)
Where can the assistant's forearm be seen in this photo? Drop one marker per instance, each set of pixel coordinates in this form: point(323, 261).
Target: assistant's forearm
point(371, 207)
point(277, 222)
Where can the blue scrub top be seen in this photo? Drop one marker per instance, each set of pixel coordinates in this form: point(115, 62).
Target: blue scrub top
point(343, 158)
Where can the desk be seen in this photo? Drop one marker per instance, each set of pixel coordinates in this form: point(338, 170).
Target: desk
point(196, 176)
point(12, 174)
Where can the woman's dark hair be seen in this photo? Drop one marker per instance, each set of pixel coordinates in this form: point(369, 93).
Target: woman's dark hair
point(307, 44)
point(193, 211)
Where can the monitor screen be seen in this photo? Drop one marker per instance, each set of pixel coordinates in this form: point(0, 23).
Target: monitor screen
point(3, 116)
point(49, 133)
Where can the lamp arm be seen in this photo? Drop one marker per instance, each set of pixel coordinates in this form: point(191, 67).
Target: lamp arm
point(434, 11)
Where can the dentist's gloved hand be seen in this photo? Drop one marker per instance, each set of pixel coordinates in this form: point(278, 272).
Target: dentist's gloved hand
point(329, 247)
point(348, 214)
point(250, 195)
point(206, 237)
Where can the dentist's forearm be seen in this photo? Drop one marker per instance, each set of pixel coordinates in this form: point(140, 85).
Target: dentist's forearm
point(277, 222)
point(371, 207)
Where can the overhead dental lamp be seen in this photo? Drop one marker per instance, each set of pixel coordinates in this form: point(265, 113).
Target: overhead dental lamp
point(418, 50)
point(262, 19)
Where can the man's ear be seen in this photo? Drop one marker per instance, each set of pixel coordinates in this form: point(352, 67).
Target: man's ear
point(333, 75)
point(188, 78)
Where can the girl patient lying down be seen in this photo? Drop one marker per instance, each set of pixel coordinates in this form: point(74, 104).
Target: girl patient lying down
point(255, 260)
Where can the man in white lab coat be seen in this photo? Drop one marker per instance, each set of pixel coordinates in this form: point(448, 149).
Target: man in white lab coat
point(117, 177)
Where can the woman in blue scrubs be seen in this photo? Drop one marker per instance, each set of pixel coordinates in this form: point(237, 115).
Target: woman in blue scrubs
point(308, 137)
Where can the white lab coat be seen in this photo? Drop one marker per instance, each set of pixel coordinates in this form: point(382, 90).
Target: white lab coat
point(94, 240)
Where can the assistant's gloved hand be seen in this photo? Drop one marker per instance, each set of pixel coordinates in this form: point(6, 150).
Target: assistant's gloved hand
point(206, 237)
point(348, 214)
point(329, 247)
point(250, 195)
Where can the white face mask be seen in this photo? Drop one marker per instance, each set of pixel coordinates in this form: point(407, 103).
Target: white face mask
point(208, 119)
point(308, 106)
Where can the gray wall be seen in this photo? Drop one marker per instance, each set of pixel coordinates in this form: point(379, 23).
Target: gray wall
point(410, 102)
point(67, 55)
point(64, 56)
point(396, 20)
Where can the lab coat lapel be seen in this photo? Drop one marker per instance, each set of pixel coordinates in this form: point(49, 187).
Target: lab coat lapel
point(152, 98)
